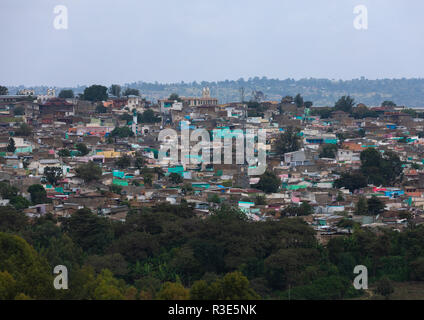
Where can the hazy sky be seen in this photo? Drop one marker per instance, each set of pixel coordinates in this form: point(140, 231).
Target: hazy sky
point(172, 40)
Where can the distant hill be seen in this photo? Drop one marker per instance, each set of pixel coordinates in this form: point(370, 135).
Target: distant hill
point(323, 92)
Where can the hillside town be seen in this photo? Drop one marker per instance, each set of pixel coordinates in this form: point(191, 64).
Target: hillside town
point(211, 158)
point(338, 168)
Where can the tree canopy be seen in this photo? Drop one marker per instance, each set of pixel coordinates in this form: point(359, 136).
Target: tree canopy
point(328, 151)
point(175, 178)
point(66, 94)
point(345, 104)
point(53, 174)
point(11, 145)
point(131, 92)
point(269, 182)
point(288, 141)
point(89, 172)
point(298, 100)
point(174, 97)
point(168, 252)
point(95, 93)
point(3, 91)
point(122, 132)
point(381, 169)
point(115, 90)
point(23, 130)
point(82, 149)
point(38, 194)
point(352, 181)
point(148, 116)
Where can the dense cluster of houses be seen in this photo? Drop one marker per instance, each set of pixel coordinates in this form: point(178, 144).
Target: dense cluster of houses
point(56, 124)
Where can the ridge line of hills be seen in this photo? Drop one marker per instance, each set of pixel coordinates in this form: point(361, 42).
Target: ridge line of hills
point(323, 92)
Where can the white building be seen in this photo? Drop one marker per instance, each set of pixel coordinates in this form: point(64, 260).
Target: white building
point(42, 98)
point(344, 155)
point(134, 102)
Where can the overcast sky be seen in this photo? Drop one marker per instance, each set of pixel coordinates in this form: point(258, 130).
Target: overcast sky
point(184, 40)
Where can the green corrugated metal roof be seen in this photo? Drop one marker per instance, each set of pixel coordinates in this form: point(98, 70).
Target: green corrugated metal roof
point(120, 182)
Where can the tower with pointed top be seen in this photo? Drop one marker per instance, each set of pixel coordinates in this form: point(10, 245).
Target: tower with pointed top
point(134, 123)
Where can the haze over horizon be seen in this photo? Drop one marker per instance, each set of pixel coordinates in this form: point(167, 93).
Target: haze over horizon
point(198, 81)
point(166, 41)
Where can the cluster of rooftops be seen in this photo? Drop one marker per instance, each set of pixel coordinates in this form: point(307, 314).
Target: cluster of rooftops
point(305, 176)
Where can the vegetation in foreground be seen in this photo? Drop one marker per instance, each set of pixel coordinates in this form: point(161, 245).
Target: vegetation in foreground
point(166, 252)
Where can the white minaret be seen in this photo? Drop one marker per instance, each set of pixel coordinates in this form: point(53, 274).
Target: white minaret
point(134, 123)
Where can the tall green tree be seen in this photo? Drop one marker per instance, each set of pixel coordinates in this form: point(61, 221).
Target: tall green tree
point(108, 287)
point(95, 93)
point(19, 111)
point(115, 90)
point(115, 262)
point(53, 174)
point(388, 103)
point(20, 202)
point(345, 104)
point(122, 132)
point(11, 220)
point(173, 291)
point(124, 161)
point(131, 92)
point(90, 232)
point(283, 268)
point(361, 206)
point(304, 209)
point(82, 149)
point(362, 111)
point(233, 286)
point(352, 181)
point(24, 271)
point(175, 178)
point(64, 153)
point(287, 100)
point(89, 172)
point(269, 182)
point(7, 191)
point(288, 141)
point(174, 97)
point(11, 145)
point(328, 151)
point(66, 94)
point(23, 130)
point(148, 116)
point(38, 194)
point(3, 91)
point(381, 169)
point(298, 100)
point(308, 104)
point(375, 205)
